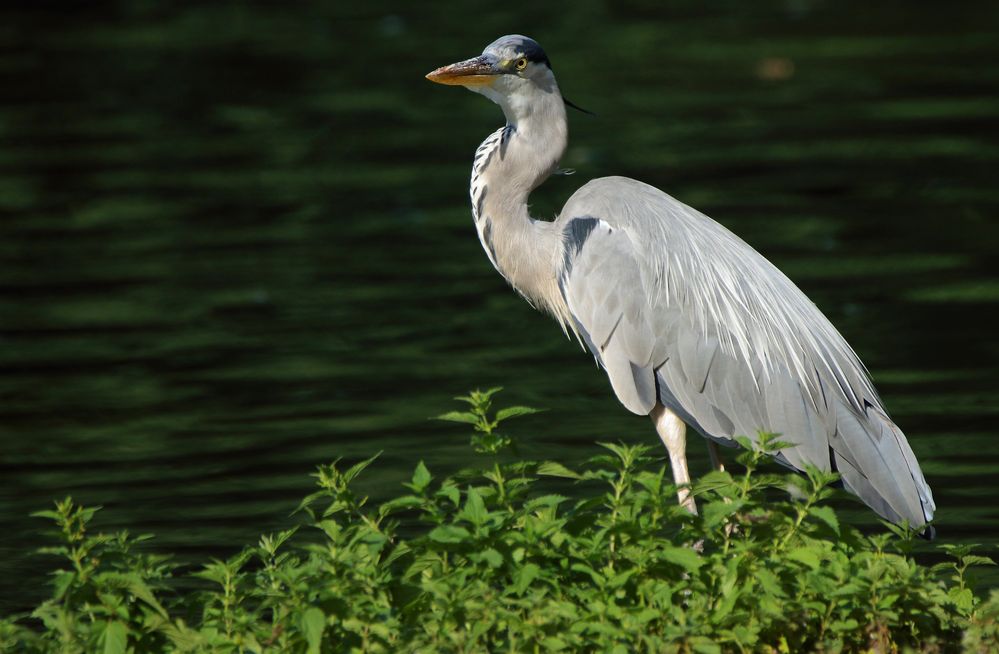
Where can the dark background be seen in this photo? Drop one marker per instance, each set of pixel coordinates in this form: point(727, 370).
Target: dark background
point(235, 238)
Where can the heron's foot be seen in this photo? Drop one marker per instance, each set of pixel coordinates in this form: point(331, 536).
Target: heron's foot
point(686, 499)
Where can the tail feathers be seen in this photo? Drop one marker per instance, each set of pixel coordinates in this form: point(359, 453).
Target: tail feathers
point(891, 431)
point(876, 463)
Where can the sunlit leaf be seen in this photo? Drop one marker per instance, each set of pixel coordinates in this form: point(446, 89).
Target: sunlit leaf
point(684, 557)
point(544, 501)
point(714, 480)
point(474, 509)
point(514, 412)
point(493, 558)
point(963, 599)
point(421, 477)
point(357, 468)
point(524, 576)
point(313, 623)
point(826, 515)
point(555, 469)
point(451, 493)
point(459, 416)
point(400, 503)
point(806, 555)
point(449, 534)
point(115, 638)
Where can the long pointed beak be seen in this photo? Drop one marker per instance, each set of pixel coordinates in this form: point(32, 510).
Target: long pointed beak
point(478, 71)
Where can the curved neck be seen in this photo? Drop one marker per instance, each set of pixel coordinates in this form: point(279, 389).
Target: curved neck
point(509, 164)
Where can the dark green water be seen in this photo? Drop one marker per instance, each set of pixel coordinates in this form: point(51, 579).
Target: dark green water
point(235, 240)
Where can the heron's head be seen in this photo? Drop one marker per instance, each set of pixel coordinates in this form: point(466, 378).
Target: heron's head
point(513, 71)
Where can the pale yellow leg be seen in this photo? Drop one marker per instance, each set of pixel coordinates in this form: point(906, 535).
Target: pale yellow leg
point(716, 458)
point(673, 434)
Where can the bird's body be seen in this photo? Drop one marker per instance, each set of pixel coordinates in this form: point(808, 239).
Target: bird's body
point(690, 323)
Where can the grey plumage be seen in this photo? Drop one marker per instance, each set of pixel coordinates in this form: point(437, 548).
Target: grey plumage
point(680, 312)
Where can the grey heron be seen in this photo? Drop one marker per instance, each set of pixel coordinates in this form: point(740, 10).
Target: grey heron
point(691, 324)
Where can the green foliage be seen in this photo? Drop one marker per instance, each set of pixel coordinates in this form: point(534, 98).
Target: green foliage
point(493, 560)
point(485, 438)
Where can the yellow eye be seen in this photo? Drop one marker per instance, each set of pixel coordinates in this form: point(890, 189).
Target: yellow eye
point(521, 64)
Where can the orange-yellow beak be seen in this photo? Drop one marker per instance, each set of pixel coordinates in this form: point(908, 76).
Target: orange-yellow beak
point(479, 71)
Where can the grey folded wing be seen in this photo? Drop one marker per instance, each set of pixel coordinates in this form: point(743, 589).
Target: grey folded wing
point(687, 329)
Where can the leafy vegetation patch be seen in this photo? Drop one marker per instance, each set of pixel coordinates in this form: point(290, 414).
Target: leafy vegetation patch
point(495, 560)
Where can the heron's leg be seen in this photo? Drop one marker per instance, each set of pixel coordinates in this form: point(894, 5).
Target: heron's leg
point(718, 464)
point(716, 458)
point(673, 434)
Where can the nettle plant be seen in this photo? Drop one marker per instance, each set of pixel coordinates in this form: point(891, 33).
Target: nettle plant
point(525, 556)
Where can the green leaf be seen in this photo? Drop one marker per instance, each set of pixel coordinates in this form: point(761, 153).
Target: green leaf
point(399, 551)
point(597, 578)
point(62, 582)
point(138, 587)
point(493, 558)
point(281, 538)
point(459, 416)
point(115, 638)
point(957, 551)
point(357, 468)
point(974, 559)
point(515, 412)
point(421, 477)
point(844, 626)
point(449, 534)
point(714, 480)
point(620, 449)
point(404, 502)
point(806, 555)
point(704, 645)
point(940, 568)
point(490, 442)
point(334, 508)
point(478, 397)
point(313, 623)
point(423, 561)
point(621, 578)
point(684, 557)
point(309, 499)
point(86, 513)
point(555, 469)
point(769, 582)
point(523, 578)
point(452, 493)
point(963, 599)
point(826, 515)
point(547, 501)
point(214, 571)
point(475, 509)
point(719, 511)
